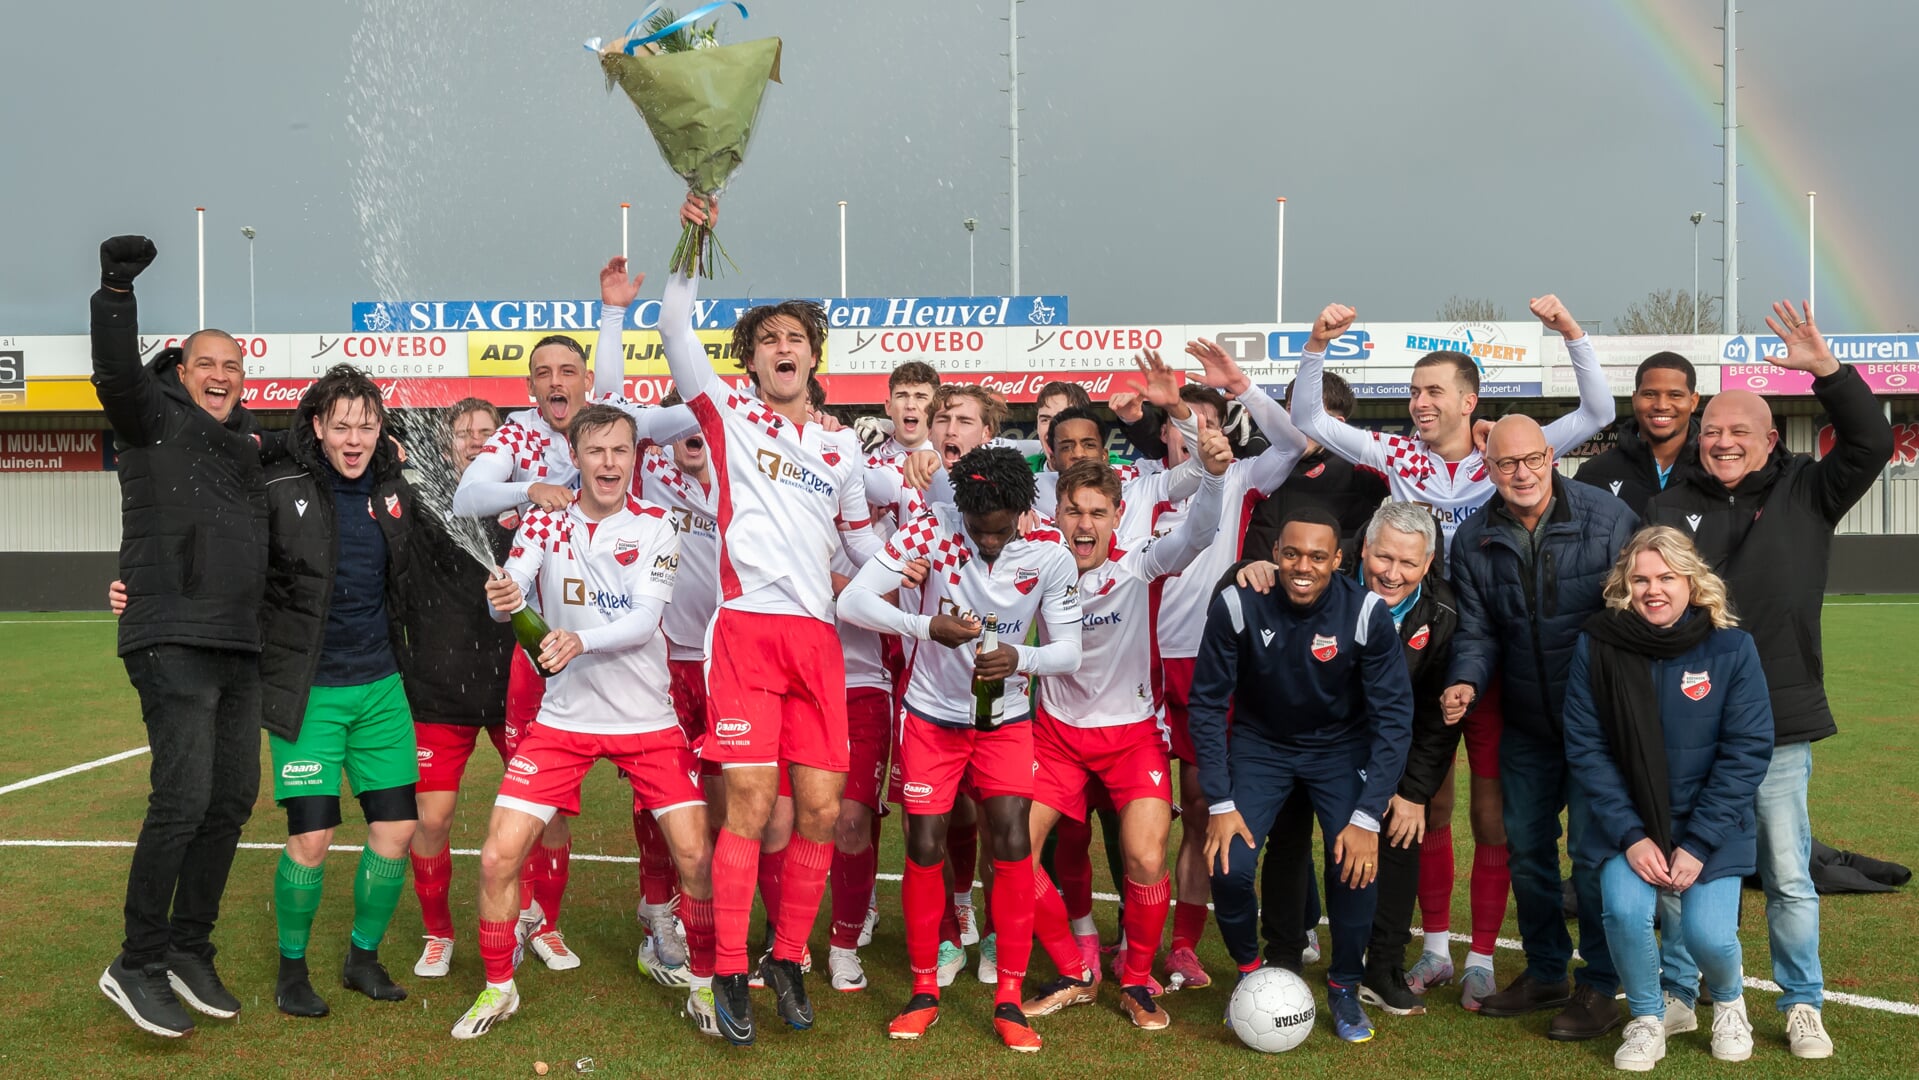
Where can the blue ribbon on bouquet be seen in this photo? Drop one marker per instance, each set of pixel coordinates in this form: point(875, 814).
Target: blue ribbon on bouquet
point(633, 44)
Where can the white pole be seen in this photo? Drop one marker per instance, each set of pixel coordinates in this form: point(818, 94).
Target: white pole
point(200, 222)
point(1695, 274)
point(1729, 312)
point(842, 249)
point(971, 288)
point(1279, 276)
point(1812, 250)
point(624, 207)
point(1012, 94)
point(253, 316)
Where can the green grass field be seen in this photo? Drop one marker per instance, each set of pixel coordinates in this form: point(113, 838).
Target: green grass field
point(69, 702)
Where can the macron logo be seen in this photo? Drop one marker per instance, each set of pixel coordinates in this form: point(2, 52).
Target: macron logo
point(1692, 522)
point(300, 505)
point(1615, 485)
point(1155, 774)
point(1265, 637)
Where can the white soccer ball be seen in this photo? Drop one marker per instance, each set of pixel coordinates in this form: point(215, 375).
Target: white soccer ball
point(1271, 1010)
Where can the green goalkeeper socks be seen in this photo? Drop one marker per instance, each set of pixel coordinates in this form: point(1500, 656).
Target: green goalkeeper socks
point(376, 892)
point(296, 896)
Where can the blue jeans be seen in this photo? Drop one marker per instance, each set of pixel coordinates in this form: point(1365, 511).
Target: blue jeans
point(1709, 914)
point(1537, 784)
point(1785, 871)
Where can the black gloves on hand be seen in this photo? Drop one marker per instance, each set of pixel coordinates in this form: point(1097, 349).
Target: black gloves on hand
point(121, 260)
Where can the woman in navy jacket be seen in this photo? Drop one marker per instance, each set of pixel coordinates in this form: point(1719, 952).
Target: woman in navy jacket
point(1669, 732)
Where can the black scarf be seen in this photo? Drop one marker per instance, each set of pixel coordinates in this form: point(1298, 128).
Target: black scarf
point(1624, 646)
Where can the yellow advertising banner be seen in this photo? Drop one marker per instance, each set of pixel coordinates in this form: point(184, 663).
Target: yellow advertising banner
point(52, 394)
point(504, 352)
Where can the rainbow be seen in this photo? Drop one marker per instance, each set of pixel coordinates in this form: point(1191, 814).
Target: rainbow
point(1689, 53)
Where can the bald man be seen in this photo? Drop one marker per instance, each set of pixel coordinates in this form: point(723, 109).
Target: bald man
point(1774, 564)
point(1528, 571)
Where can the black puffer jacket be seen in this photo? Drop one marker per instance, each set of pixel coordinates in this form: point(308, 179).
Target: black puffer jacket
point(302, 553)
point(453, 655)
point(1630, 472)
point(193, 524)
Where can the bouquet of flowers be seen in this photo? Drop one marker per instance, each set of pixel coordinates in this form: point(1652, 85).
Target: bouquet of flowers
point(699, 98)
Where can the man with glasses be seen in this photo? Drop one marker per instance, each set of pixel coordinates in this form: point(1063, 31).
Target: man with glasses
point(1528, 571)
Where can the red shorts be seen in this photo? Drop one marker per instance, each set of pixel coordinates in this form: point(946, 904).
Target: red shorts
point(1178, 686)
point(869, 729)
point(937, 759)
point(687, 683)
point(444, 748)
point(1483, 724)
point(524, 692)
point(549, 764)
point(777, 684)
point(1129, 760)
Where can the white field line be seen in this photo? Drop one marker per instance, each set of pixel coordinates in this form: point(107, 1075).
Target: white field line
point(56, 622)
point(71, 769)
point(1902, 1008)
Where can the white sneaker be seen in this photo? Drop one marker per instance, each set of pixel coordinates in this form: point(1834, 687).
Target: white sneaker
point(493, 1005)
point(849, 975)
point(989, 960)
point(952, 960)
point(1680, 1017)
point(699, 1006)
point(659, 970)
point(872, 920)
point(1310, 955)
point(663, 925)
point(1643, 1046)
point(436, 959)
point(1732, 1031)
point(1807, 1033)
point(532, 917)
point(969, 925)
point(551, 948)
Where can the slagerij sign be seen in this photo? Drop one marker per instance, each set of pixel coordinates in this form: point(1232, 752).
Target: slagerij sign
point(583, 316)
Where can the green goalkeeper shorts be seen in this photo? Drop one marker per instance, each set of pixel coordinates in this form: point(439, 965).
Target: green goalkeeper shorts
point(365, 730)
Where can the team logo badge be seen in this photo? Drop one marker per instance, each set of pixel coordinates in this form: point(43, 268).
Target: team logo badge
point(1313, 473)
point(510, 519)
point(1025, 580)
point(1325, 647)
point(516, 552)
point(1108, 587)
point(732, 729)
point(393, 505)
point(1695, 684)
point(1420, 637)
point(369, 510)
point(830, 457)
point(626, 552)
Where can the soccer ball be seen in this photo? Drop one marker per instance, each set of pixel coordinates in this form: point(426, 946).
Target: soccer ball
point(1271, 1010)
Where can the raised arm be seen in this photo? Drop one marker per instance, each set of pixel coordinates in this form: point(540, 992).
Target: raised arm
point(685, 356)
point(487, 486)
point(1309, 409)
point(127, 392)
point(1284, 443)
point(1595, 397)
point(1862, 436)
point(1175, 551)
point(617, 293)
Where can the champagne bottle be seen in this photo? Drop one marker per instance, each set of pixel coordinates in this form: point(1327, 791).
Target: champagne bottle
point(531, 630)
point(987, 692)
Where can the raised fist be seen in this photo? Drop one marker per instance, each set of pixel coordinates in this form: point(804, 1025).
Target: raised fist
point(121, 260)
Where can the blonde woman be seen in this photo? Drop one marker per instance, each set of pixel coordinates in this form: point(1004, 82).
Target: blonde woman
point(1669, 732)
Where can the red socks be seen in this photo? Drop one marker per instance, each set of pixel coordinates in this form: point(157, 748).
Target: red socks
point(432, 879)
point(1073, 862)
point(1189, 924)
point(497, 942)
point(802, 885)
point(1492, 883)
point(922, 891)
point(853, 876)
point(1049, 922)
point(551, 866)
point(735, 863)
point(772, 863)
point(1013, 904)
point(1437, 872)
point(698, 917)
point(1145, 922)
point(659, 881)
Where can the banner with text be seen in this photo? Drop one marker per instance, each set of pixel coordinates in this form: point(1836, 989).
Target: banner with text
point(576, 316)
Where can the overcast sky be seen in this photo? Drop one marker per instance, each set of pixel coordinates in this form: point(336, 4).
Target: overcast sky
point(1495, 148)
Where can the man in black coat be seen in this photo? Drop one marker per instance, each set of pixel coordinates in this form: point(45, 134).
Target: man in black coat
point(1661, 439)
point(1763, 517)
point(193, 554)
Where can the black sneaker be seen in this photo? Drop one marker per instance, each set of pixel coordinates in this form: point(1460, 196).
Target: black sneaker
point(789, 992)
point(735, 1008)
point(198, 985)
point(1526, 994)
point(145, 996)
point(294, 993)
point(364, 973)
point(1386, 988)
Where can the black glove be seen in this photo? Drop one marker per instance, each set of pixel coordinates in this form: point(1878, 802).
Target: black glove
point(121, 260)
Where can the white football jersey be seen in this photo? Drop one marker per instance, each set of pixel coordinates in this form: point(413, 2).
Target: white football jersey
point(1118, 681)
point(696, 591)
point(584, 576)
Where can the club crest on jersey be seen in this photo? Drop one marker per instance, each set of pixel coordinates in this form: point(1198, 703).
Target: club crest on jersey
point(1325, 647)
point(1420, 637)
point(1314, 472)
point(1106, 588)
point(831, 457)
point(1025, 579)
point(392, 505)
point(1695, 684)
point(626, 552)
point(369, 510)
point(516, 552)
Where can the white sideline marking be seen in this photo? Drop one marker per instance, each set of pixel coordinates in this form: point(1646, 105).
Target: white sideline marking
point(57, 622)
point(71, 769)
point(1903, 1008)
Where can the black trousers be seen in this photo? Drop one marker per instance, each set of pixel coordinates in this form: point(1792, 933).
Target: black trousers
point(1290, 897)
point(202, 713)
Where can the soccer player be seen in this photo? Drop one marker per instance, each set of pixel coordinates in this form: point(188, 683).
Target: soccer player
point(1104, 721)
point(976, 562)
point(526, 465)
point(789, 493)
point(193, 550)
point(911, 390)
point(1321, 700)
point(1439, 467)
point(340, 525)
point(1659, 439)
point(601, 573)
point(454, 661)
